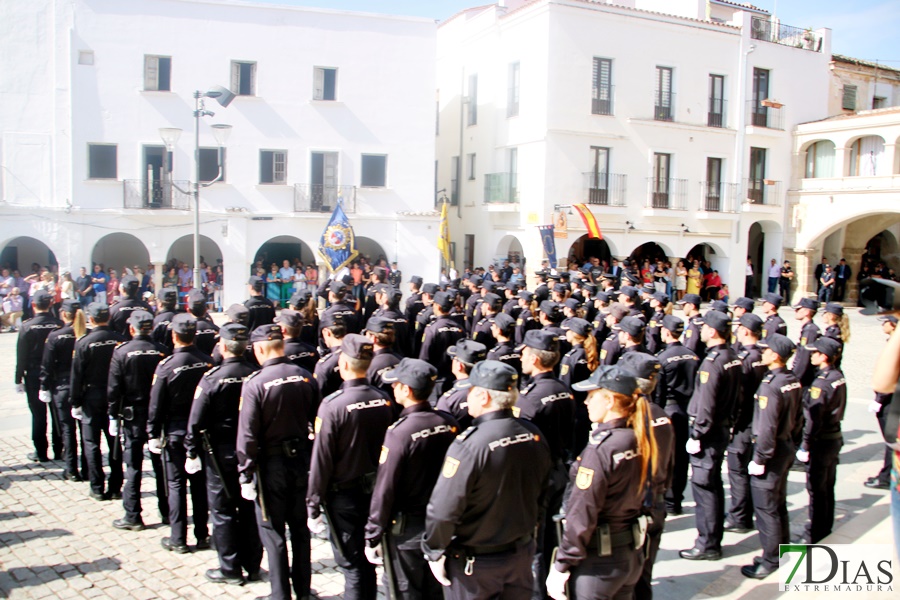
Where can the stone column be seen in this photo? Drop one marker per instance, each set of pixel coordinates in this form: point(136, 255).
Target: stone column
point(802, 260)
point(158, 276)
point(854, 257)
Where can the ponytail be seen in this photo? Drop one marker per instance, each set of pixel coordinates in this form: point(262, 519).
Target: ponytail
point(668, 309)
point(78, 324)
point(590, 352)
point(845, 328)
point(639, 421)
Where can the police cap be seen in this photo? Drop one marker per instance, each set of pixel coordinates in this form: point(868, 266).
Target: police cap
point(752, 322)
point(41, 299)
point(773, 299)
point(184, 324)
point(608, 377)
point(444, 301)
point(357, 346)
point(130, 283)
point(745, 303)
point(70, 306)
point(618, 311)
point(579, 326)
point(632, 326)
point(234, 332)
point(835, 309)
point(290, 318)
point(168, 294)
point(661, 298)
point(238, 313)
point(526, 295)
point(540, 339)
point(561, 288)
point(691, 299)
point(674, 324)
point(719, 306)
point(266, 333)
point(639, 364)
point(338, 288)
point(629, 291)
point(415, 373)
point(572, 303)
point(98, 311)
point(780, 344)
point(256, 283)
point(416, 279)
point(504, 322)
point(196, 299)
point(491, 375)
point(828, 346)
point(330, 320)
point(551, 309)
point(810, 303)
point(141, 320)
point(301, 298)
point(468, 352)
point(430, 289)
point(718, 321)
point(493, 301)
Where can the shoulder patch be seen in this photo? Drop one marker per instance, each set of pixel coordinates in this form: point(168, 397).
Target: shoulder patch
point(332, 395)
point(397, 422)
point(253, 374)
point(704, 376)
point(584, 478)
point(815, 392)
point(384, 455)
point(598, 439)
point(516, 411)
point(563, 370)
point(763, 402)
point(213, 370)
point(450, 467)
point(317, 426)
point(603, 353)
point(167, 359)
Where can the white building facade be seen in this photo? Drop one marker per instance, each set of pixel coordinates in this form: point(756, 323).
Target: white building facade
point(329, 105)
point(671, 120)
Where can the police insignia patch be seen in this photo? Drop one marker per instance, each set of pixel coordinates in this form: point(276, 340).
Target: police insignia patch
point(384, 454)
point(584, 478)
point(803, 341)
point(516, 411)
point(563, 370)
point(689, 333)
point(763, 402)
point(450, 467)
point(602, 354)
point(704, 376)
point(815, 392)
point(318, 425)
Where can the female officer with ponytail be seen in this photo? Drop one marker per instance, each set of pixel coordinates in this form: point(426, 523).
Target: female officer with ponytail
point(600, 554)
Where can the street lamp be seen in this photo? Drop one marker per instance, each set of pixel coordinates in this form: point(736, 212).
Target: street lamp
point(170, 136)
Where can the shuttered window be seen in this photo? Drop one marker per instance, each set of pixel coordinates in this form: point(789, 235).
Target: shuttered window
point(243, 78)
point(272, 166)
point(848, 102)
point(601, 96)
point(157, 73)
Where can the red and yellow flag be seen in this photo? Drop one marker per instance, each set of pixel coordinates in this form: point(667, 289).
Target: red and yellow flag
point(589, 221)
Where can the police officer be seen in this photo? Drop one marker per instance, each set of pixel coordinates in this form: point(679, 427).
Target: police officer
point(778, 409)
point(740, 450)
point(577, 365)
point(295, 349)
point(692, 341)
point(823, 407)
point(174, 384)
point(525, 322)
point(674, 388)
point(438, 337)
point(879, 405)
point(129, 287)
point(29, 352)
point(426, 316)
point(236, 313)
point(711, 412)
point(629, 296)
point(90, 376)
point(741, 307)
point(337, 292)
point(804, 311)
point(631, 335)
point(413, 306)
point(408, 468)
point(56, 372)
point(128, 396)
point(207, 331)
point(611, 348)
point(168, 308)
point(503, 330)
point(380, 331)
point(600, 555)
point(479, 525)
point(773, 323)
point(261, 310)
point(550, 316)
point(274, 410)
point(350, 428)
point(327, 374)
point(490, 306)
point(653, 336)
point(466, 354)
point(388, 299)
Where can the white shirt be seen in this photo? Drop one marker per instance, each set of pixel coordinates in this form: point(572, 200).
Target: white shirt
point(774, 271)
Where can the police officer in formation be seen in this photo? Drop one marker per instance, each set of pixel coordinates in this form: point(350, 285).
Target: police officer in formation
point(207, 331)
point(168, 308)
point(296, 350)
point(455, 401)
point(260, 309)
point(380, 331)
point(129, 287)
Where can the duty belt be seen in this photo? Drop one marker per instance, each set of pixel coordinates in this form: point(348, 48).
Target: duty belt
point(480, 550)
point(603, 541)
point(365, 482)
point(834, 435)
point(289, 448)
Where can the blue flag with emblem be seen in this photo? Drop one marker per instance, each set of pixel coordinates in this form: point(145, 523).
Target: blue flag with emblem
point(337, 247)
point(549, 243)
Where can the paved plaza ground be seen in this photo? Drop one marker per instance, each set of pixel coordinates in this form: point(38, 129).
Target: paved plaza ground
point(55, 542)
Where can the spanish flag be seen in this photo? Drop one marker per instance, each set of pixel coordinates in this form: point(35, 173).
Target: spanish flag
point(443, 242)
point(589, 221)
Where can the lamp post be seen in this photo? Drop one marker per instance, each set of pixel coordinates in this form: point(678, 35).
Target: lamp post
point(170, 136)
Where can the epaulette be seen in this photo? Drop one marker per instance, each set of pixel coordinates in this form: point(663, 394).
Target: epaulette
point(465, 434)
point(167, 359)
point(121, 344)
point(214, 369)
point(597, 438)
point(397, 422)
point(253, 374)
point(528, 388)
point(332, 395)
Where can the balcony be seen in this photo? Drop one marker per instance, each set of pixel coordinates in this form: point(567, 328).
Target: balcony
point(500, 188)
point(666, 194)
point(763, 29)
point(765, 192)
point(605, 189)
point(663, 105)
point(145, 193)
point(715, 117)
point(855, 183)
point(765, 113)
point(603, 103)
point(318, 198)
point(718, 197)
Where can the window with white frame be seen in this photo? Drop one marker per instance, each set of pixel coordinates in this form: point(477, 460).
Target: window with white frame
point(374, 170)
point(324, 83)
point(157, 73)
point(243, 78)
point(273, 166)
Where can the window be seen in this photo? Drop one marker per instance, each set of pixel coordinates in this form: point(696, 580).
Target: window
point(716, 115)
point(601, 95)
point(663, 95)
point(848, 100)
point(820, 160)
point(867, 157)
point(209, 164)
point(454, 180)
point(879, 102)
point(374, 170)
point(102, 161)
point(599, 176)
point(756, 182)
point(660, 183)
point(713, 187)
point(437, 113)
point(473, 100)
point(243, 78)
point(513, 158)
point(512, 91)
point(470, 166)
point(324, 83)
point(157, 73)
point(272, 166)
point(469, 251)
point(760, 113)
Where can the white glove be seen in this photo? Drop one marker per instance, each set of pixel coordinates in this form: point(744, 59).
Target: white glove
point(373, 555)
point(193, 465)
point(692, 446)
point(439, 570)
point(756, 469)
point(248, 491)
point(154, 446)
point(316, 526)
point(874, 407)
point(556, 583)
point(803, 455)
point(20, 388)
point(45, 396)
point(77, 413)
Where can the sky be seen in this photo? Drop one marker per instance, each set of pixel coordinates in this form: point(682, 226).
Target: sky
point(864, 29)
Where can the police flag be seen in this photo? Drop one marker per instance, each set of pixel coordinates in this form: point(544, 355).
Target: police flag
point(338, 245)
point(548, 243)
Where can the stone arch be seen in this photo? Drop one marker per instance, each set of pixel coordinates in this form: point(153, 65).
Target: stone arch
point(281, 248)
point(371, 249)
point(118, 250)
point(651, 250)
point(584, 247)
point(510, 248)
point(182, 250)
point(19, 253)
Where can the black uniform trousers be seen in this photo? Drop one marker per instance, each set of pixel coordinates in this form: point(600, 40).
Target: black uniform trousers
point(95, 427)
point(770, 503)
point(675, 495)
point(547, 538)
point(643, 589)
point(820, 481)
point(284, 494)
point(349, 510)
point(162, 486)
point(501, 576)
point(708, 490)
point(611, 577)
point(175, 456)
point(233, 520)
point(70, 430)
point(39, 419)
point(412, 574)
point(740, 454)
point(134, 433)
point(884, 475)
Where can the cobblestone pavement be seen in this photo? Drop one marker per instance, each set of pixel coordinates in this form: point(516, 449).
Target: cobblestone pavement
point(55, 542)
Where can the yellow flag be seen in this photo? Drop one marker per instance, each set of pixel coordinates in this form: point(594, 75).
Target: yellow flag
point(443, 242)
